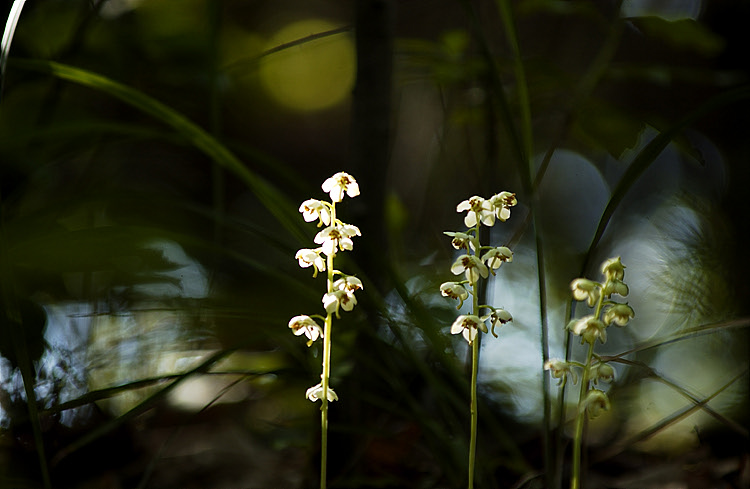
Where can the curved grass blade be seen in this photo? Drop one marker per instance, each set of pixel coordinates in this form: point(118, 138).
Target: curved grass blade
point(649, 372)
point(701, 330)
point(142, 407)
point(669, 420)
point(276, 202)
point(251, 62)
point(10, 29)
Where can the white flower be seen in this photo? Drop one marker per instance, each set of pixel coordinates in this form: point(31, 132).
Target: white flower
point(306, 325)
point(340, 183)
point(332, 301)
point(613, 269)
point(497, 256)
point(620, 314)
point(454, 290)
point(602, 371)
point(312, 209)
point(615, 286)
point(308, 258)
point(596, 401)
point(463, 241)
point(589, 329)
point(479, 210)
point(314, 393)
point(561, 369)
point(335, 237)
point(497, 316)
point(501, 204)
point(585, 289)
point(348, 284)
point(468, 325)
point(473, 267)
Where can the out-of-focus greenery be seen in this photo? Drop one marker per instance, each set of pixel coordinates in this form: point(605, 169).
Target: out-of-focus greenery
point(150, 172)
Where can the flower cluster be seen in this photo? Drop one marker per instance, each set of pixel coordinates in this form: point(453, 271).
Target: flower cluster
point(593, 327)
point(478, 262)
point(335, 236)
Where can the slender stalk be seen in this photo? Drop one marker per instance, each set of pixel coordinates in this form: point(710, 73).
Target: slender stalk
point(474, 373)
point(324, 382)
point(325, 376)
point(474, 414)
point(575, 478)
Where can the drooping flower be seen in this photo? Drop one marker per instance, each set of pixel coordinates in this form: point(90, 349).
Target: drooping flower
point(311, 258)
point(601, 371)
point(585, 289)
point(560, 369)
point(472, 266)
point(306, 325)
point(468, 325)
point(336, 237)
point(332, 301)
point(619, 314)
point(454, 290)
point(497, 316)
point(589, 328)
point(312, 209)
point(479, 210)
point(497, 256)
point(615, 286)
point(349, 284)
point(463, 241)
point(501, 204)
point(315, 392)
point(338, 184)
point(596, 402)
point(613, 269)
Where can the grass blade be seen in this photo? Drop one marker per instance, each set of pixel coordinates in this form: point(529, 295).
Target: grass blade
point(276, 202)
point(10, 29)
point(696, 404)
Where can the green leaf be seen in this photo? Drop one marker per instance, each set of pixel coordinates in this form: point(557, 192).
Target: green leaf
point(684, 34)
point(602, 125)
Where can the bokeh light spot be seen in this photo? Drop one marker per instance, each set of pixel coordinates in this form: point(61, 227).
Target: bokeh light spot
point(313, 75)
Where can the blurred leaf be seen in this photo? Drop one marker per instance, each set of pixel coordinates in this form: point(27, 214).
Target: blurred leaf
point(652, 150)
point(124, 253)
point(558, 7)
point(684, 33)
point(276, 202)
point(603, 125)
point(55, 19)
point(448, 60)
point(29, 333)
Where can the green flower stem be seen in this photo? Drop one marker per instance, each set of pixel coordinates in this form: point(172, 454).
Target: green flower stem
point(474, 415)
point(474, 373)
point(324, 399)
point(575, 478)
point(325, 376)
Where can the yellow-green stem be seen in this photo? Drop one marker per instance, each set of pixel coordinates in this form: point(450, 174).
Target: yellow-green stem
point(324, 399)
point(575, 478)
point(474, 416)
point(324, 377)
point(474, 373)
